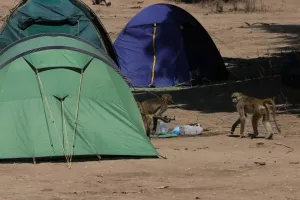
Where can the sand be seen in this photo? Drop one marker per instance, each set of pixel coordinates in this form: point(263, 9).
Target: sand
point(212, 166)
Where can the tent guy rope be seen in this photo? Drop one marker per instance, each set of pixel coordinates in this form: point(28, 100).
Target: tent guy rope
point(50, 112)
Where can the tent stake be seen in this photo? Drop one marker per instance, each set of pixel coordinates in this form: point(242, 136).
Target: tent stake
point(34, 162)
point(162, 156)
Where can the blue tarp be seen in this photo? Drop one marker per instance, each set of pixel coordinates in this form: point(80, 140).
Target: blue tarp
point(70, 17)
point(183, 49)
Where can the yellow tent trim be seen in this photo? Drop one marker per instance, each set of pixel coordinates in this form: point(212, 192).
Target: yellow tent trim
point(154, 54)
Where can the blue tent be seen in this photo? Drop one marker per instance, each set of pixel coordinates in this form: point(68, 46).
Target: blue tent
point(71, 17)
point(165, 46)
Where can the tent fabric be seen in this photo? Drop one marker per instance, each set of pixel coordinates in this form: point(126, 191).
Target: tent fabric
point(47, 93)
point(71, 17)
point(165, 46)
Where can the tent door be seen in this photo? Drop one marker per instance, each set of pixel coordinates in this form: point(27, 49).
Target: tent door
point(191, 35)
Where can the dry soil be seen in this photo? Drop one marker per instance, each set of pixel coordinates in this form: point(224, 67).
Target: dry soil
point(211, 167)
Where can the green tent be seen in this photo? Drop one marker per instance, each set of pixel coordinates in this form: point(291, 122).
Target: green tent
point(60, 96)
point(71, 17)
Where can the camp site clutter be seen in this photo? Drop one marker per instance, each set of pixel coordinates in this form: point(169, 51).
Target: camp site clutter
point(67, 91)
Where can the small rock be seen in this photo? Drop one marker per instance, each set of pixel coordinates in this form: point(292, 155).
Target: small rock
point(162, 187)
point(186, 149)
point(47, 190)
point(294, 163)
point(260, 144)
point(134, 7)
point(202, 148)
point(197, 197)
point(260, 163)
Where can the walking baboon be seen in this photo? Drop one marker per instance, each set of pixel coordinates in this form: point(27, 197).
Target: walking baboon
point(258, 107)
point(155, 107)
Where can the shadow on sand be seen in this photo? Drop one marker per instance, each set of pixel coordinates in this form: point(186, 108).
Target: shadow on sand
point(216, 98)
point(258, 77)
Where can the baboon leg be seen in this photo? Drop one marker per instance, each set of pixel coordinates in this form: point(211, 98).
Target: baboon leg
point(235, 124)
point(243, 123)
point(267, 125)
point(238, 121)
point(242, 118)
point(154, 118)
point(255, 118)
point(146, 124)
point(96, 2)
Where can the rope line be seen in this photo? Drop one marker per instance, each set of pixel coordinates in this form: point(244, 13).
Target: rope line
point(65, 132)
point(50, 112)
point(76, 117)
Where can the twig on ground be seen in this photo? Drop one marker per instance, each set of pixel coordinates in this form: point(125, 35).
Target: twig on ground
point(291, 149)
point(260, 163)
point(162, 156)
point(259, 23)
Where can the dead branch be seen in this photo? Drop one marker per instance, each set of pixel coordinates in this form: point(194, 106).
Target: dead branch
point(162, 156)
point(259, 23)
point(281, 144)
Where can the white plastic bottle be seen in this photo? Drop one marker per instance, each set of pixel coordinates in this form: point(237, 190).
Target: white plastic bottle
point(162, 127)
point(190, 130)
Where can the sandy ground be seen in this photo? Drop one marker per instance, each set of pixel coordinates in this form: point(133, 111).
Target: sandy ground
point(212, 167)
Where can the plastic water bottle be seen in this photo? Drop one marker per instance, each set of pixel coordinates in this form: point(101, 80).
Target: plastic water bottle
point(162, 127)
point(176, 130)
point(190, 130)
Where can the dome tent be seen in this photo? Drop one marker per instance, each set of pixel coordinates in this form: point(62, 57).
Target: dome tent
point(59, 94)
point(164, 46)
point(71, 17)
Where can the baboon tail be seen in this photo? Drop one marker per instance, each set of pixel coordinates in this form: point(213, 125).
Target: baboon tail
point(272, 101)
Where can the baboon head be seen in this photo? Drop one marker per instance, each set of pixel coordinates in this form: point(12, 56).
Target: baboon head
point(167, 98)
point(236, 96)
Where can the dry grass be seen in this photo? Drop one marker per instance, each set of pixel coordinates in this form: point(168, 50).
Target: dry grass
point(254, 6)
point(247, 6)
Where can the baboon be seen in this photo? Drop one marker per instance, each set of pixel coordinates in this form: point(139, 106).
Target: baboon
point(219, 6)
point(258, 107)
point(155, 107)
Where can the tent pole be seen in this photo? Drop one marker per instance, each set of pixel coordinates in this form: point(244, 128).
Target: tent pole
point(154, 54)
point(76, 114)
